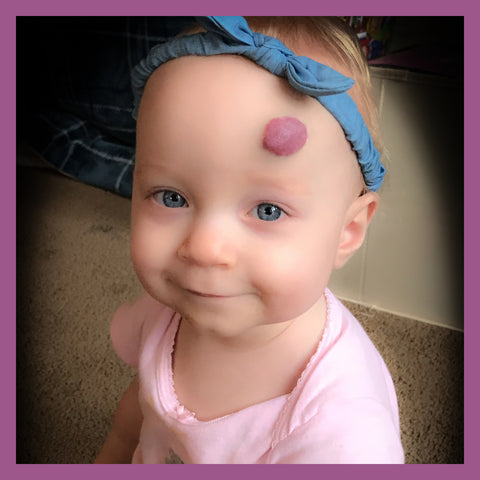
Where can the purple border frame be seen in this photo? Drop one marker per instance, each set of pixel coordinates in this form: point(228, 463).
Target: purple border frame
point(10, 10)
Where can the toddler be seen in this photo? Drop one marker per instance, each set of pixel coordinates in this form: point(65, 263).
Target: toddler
point(255, 177)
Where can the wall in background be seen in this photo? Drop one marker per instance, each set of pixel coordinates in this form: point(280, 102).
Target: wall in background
point(412, 260)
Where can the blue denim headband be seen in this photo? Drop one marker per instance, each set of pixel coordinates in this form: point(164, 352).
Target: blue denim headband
point(232, 35)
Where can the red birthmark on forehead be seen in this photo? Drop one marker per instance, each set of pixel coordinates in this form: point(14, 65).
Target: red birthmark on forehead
point(284, 136)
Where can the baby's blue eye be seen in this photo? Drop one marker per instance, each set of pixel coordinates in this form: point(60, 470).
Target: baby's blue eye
point(269, 212)
point(170, 199)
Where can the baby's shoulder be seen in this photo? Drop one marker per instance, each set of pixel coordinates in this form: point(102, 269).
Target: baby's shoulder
point(346, 367)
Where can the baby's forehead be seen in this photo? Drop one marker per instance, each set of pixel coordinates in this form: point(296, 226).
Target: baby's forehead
point(223, 77)
point(232, 96)
point(227, 111)
point(228, 38)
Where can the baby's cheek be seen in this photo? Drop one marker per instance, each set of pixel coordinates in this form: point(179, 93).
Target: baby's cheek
point(141, 255)
point(289, 285)
point(145, 248)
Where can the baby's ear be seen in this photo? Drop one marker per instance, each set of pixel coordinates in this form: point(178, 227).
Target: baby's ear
point(357, 219)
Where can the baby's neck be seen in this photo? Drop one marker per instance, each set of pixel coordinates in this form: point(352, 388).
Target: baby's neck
point(215, 376)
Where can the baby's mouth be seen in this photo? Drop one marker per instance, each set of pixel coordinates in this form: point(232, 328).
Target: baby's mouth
point(213, 293)
point(206, 295)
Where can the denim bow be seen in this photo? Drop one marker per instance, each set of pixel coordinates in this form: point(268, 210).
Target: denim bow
point(304, 74)
point(232, 35)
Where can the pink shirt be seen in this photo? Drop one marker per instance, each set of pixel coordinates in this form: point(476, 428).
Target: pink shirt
point(342, 410)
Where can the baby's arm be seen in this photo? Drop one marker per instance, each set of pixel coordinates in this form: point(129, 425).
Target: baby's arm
point(123, 437)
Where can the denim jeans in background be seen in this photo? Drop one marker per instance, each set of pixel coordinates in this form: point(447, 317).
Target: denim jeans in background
point(74, 95)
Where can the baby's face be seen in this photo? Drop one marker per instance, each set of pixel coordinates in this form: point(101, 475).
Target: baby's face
point(224, 231)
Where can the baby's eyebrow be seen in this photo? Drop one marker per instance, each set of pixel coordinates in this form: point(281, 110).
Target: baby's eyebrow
point(285, 186)
point(284, 136)
point(144, 169)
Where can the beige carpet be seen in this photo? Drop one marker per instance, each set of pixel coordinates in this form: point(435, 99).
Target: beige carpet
point(74, 270)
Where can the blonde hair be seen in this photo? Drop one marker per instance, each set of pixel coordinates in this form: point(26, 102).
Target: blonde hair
point(328, 40)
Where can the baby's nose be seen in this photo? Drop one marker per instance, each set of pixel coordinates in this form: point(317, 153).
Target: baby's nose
point(208, 243)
